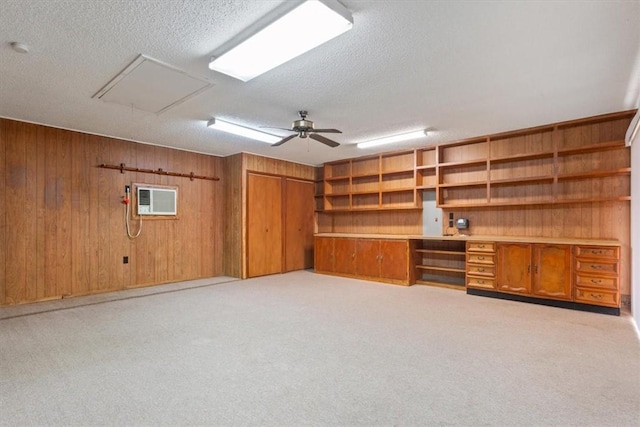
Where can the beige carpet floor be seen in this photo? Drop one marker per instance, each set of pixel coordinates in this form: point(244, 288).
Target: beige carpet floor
point(305, 349)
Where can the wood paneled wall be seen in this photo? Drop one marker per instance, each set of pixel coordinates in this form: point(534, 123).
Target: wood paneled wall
point(236, 168)
point(62, 230)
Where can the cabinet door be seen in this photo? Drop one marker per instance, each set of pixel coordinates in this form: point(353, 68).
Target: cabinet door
point(514, 268)
point(264, 225)
point(394, 260)
point(298, 225)
point(324, 254)
point(552, 271)
point(368, 258)
point(344, 254)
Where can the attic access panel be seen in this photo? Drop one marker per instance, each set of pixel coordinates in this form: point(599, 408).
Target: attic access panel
point(150, 85)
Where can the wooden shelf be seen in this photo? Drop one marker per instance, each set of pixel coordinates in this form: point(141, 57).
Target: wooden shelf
point(596, 174)
point(397, 172)
point(435, 268)
point(539, 160)
point(522, 157)
point(474, 162)
point(522, 181)
point(365, 175)
point(442, 252)
point(364, 193)
point(464, 184)
point(398, 190)
point(592, 148)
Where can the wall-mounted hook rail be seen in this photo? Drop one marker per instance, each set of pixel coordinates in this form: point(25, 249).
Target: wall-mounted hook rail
point(122, 168)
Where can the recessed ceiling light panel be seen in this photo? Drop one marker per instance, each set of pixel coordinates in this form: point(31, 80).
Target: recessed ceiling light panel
point(393, 138)
point(287, 33)
point(244, 131)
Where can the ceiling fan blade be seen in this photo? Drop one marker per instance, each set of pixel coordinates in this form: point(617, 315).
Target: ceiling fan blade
point(283, 140)
point(326, 130)
point(324, 140)
point(271, 127)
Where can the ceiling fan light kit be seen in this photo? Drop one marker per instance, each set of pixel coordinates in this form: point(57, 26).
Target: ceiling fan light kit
point(289, 31)
point(244, 131)
point(393, 138)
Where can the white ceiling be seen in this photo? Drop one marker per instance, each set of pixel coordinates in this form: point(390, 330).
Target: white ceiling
point(461, 68)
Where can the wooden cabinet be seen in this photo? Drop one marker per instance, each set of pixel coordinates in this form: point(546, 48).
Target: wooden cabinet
point(385, 260)
point(541, 269)
point(552, 271)
point(597, 275)
point(481, 265)
point(382, 259)
point(514, 267)
point(323, 255)
point(344, 250)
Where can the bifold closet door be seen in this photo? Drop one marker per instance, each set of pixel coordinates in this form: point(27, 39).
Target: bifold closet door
point(298, 224)
point(264, 225)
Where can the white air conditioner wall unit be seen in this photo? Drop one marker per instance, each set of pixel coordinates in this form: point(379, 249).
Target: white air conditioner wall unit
point(157, 201)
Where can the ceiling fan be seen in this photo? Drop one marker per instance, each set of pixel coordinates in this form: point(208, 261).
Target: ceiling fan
point(304, 128)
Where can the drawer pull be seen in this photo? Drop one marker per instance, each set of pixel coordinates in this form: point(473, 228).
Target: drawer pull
point(480, 257)
point(596, 266)
point(481, 270)
point(595, 252)
point(596, 296)
point(598, 281)
point(481, 282)
point(481, 246)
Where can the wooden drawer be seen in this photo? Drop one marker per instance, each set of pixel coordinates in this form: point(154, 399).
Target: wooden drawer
point(597, 266)
point(481, 270)
point(481, 247)
point(600, 252)
point(587, 281)
point(597, 297)
point(488, 259)
point(481, 282)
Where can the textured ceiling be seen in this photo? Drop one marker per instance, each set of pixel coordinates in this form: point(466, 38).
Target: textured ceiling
point(461, 68)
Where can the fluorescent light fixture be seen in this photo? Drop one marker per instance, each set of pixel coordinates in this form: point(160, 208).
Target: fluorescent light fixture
point(291, 30)
point(393, 138)
point(223, 126)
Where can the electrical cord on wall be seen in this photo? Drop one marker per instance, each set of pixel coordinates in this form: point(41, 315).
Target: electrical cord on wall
point(126, 217)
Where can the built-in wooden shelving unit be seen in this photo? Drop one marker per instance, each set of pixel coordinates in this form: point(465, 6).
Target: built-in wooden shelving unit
point(570, 162)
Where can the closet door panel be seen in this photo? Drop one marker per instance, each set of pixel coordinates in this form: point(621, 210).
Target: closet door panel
point(298, 224)
point(264, 225)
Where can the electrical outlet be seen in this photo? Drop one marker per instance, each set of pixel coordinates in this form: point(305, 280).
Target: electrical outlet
point(125, 260)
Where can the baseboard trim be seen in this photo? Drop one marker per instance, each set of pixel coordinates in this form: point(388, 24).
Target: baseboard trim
point(614, 311)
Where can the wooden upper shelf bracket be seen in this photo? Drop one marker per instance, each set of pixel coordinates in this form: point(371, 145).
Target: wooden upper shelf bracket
point(122, 168)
